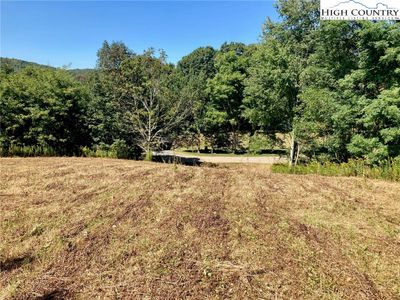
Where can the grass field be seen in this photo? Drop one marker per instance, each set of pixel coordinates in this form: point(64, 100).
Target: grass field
point(86, 228)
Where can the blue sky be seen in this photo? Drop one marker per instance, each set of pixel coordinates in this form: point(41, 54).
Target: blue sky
point(60, 33)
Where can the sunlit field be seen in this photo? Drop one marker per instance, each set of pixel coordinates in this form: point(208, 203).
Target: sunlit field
point(87, 228)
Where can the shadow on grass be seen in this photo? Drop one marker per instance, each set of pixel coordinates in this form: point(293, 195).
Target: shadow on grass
point(15, 263)
point(53, 295)
point(172, 159)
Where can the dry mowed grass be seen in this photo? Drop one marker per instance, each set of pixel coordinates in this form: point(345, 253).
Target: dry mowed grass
point(81, 228)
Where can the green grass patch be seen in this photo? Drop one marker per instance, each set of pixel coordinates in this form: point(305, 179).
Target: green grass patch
point(389, 170)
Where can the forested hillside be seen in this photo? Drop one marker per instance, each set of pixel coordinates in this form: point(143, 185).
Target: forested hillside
point(15, 65)
point(332, 86)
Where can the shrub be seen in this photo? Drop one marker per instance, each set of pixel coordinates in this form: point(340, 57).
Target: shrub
point(259, 143)
point(119, 149)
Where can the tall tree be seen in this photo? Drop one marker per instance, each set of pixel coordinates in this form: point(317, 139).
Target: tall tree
point(320, 132)
point(200, 61)
point(111, 56)
point(291, 40)
point(196, 68)
point(373, 89)
point(105, 113)
point(151, 97)
point(224, 111)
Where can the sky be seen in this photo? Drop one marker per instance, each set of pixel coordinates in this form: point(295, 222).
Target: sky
point(69, 33)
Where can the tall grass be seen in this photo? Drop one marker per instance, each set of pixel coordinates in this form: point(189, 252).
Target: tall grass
point(29, 151)
point(118, 149)
point(87, 152)
point(389, 170)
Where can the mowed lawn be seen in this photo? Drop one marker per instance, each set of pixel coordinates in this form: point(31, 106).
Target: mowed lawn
point(82, 228)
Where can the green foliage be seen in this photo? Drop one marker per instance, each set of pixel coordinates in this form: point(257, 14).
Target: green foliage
point(274, 85)
point(261, 142)
point(110, 57)
point(333, 85)
point(105, 114)
point(9, 65)
point(118, 149)
point(225, 89)
point(270, 90)
point(196, 69)
point(200, 61)
point(389, 169)
point(381, 120)
point(44, 108)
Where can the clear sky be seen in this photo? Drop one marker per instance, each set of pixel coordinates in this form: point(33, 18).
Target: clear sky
point(60, 33)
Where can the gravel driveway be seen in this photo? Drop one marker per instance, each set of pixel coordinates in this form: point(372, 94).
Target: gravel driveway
point(227, 159)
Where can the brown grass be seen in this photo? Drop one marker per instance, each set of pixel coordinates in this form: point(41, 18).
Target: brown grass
point(87, 228)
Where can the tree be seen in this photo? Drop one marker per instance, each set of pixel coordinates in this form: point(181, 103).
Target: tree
point(381, 120)
point(105, 114)
point(151, 97)
point(111, 56)
point(224, 111)
point(320, 123)
point(200, 61)
point(271, 89)
point(352, 68)
point(196, 69)
point(361, 91)
point(292, 41)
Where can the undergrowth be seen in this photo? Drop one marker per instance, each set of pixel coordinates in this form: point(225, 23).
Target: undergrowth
point(389, 170)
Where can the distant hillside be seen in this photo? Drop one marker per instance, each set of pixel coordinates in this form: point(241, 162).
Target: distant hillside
point(18, 64)
point(81, 74)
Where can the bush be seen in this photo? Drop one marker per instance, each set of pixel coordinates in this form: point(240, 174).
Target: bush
point(118, 149)
point(98, 151)
point(260, 143)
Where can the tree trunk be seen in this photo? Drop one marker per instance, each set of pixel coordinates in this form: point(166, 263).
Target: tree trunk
point(293, 150)
point(297, 155)
point(149, 153)
point(198, 139)
point(235, 141)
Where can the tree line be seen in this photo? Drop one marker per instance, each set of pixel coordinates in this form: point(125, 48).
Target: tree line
point(333, 87)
